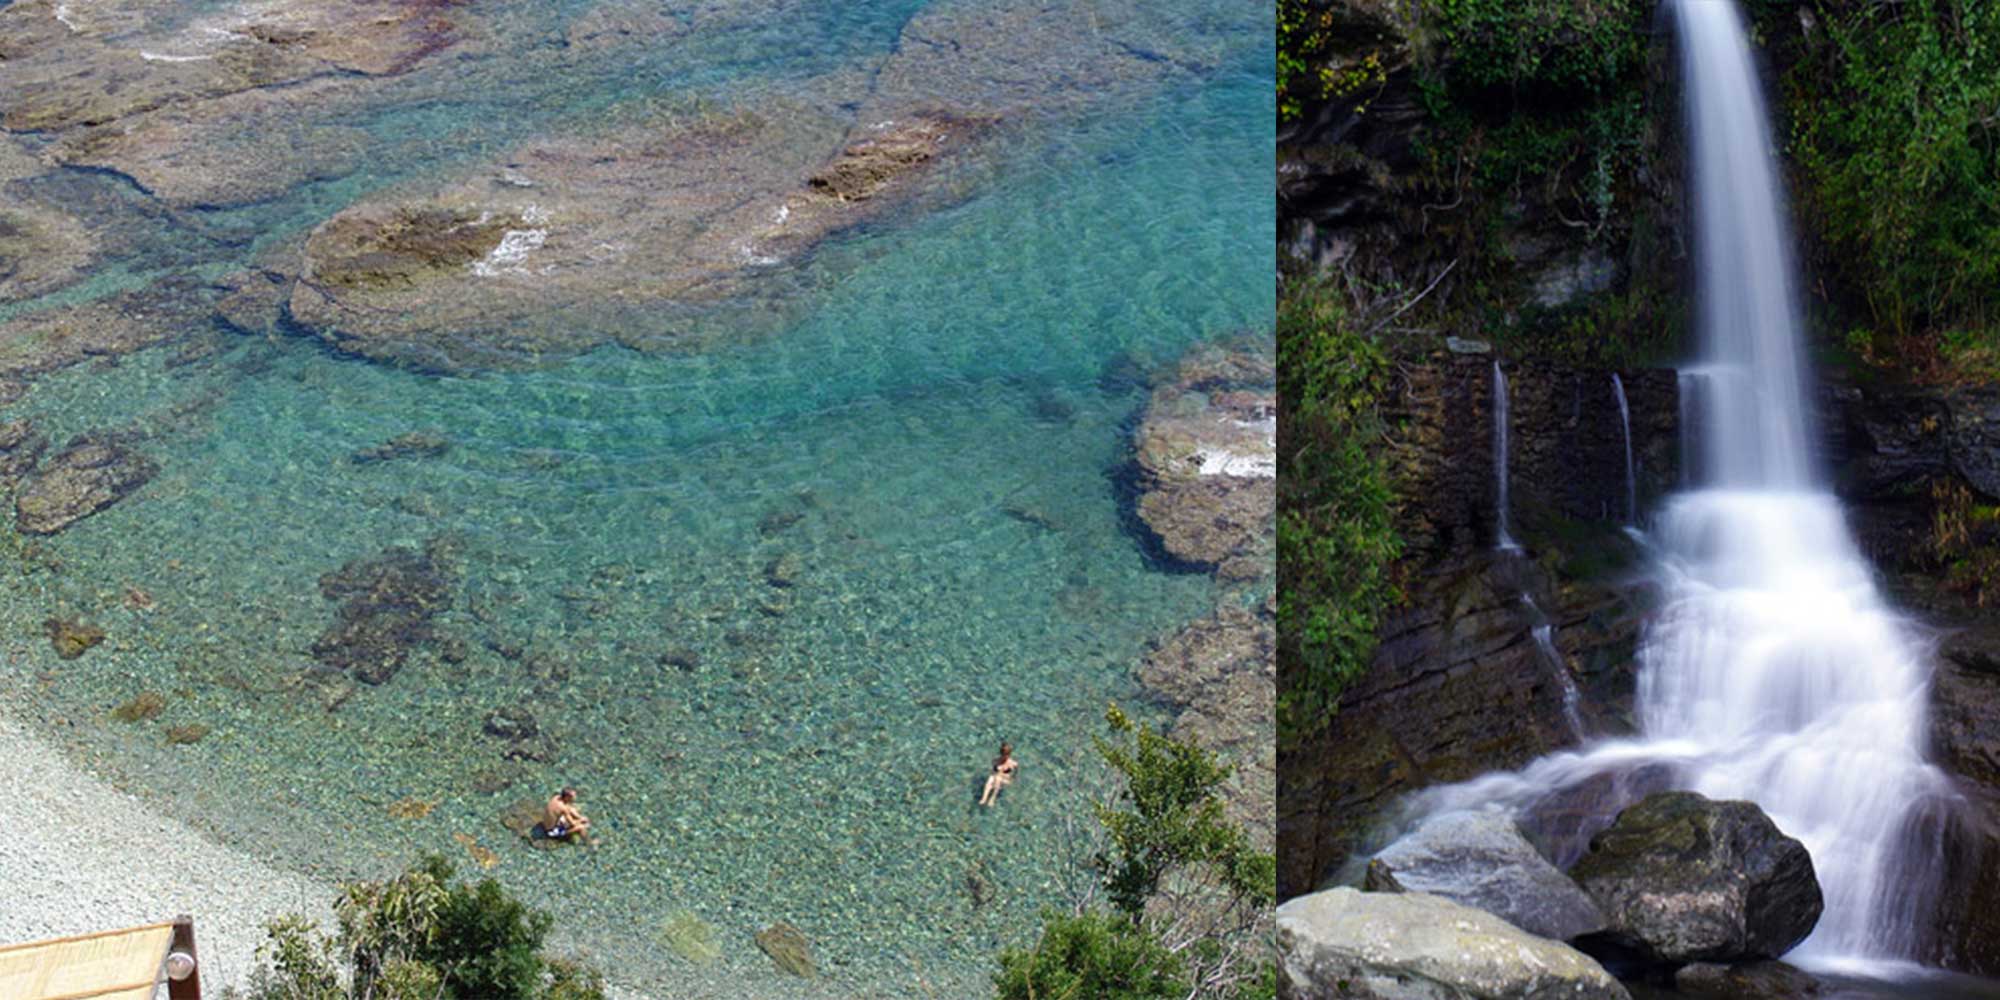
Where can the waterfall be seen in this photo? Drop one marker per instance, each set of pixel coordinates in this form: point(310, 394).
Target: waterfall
point(1506, 541)
point(1773, 669)
point(1625, 425)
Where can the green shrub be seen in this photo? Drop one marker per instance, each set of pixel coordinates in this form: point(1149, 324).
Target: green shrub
point(1893, 127)
point(1336, 527)
point(1088, 957)
point(1551, 45)
point(488, 944)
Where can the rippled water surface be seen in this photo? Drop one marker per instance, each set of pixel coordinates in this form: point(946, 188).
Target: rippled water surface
point(924, 441)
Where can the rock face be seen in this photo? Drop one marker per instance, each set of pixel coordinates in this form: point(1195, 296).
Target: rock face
point(1206, 453)
point(1685, 879)
point(86, 476)
point(1458, 686)
point(1384, 946)
point(1479, 859)
point(387, 603)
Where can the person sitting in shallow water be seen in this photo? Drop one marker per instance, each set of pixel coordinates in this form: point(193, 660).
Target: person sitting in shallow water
point(1004, 767)
point(561, 820)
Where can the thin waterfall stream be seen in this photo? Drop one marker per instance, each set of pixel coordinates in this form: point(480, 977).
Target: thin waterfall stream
point(1625, 427)
point(1504, 541)
point(1773, 670)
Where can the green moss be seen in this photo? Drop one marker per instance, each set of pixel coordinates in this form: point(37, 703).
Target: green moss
point(1336, 530)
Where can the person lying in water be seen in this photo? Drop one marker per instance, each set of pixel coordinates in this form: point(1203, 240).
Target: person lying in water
point(561, 820)
point(1004, 767)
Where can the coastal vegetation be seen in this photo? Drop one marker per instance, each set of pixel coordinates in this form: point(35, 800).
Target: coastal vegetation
point(1177, 906)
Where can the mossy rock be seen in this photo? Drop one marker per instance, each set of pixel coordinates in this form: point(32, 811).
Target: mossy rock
point(72, 638)
point(145, 705)
point(184, 735)
point(691, 938)
point(788, 947)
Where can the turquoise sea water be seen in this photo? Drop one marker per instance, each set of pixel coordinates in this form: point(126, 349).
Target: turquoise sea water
point(933, 439)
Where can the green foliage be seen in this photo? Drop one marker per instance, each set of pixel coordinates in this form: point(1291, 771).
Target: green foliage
point(1166, 823)
point(1168, 817)
point(1336, 524)
point(420, 936)
point(1560, 45)
point(1091, 956)
point(488, 944)
point(1895, 128)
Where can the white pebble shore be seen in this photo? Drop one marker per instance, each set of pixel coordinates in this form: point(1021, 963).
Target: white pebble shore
point(78, 856)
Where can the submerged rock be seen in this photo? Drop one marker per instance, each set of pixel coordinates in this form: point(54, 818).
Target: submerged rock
point(415, 444)
point(788, 948)
point(21, 446)
point(1749, 981)
point(1414, 946)
point(1221, 671)
point(1682, 879)
point(1206, 454)
point(142, 706)
point(388, 602)
point(41, 249)
point(90, 473)
point(1480, 859)
point(72, 638)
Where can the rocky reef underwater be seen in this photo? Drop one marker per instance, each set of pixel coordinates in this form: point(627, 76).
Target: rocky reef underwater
point(750, 413)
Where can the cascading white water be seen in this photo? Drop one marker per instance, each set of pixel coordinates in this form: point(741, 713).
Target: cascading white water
point(1505, 540)
point(1625, 426)
point(1774, 671)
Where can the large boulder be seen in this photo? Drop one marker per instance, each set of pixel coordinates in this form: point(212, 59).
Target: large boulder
point(1683, 879)
point(1479, 858)
point(1414, 946)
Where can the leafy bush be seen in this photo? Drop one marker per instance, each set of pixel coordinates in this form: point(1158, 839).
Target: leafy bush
point(1190, 897)
point(1336, 528)
point(1902, 168)
point(420, 936)
point(1562, 45)
point(1091, 955)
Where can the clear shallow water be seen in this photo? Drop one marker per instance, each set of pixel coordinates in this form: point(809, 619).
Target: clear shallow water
point(818, 764)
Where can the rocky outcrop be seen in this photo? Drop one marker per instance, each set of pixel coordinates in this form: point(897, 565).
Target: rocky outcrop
point(41, 249)
point(35, 343)
point(1480, 859)
point(1383, 946)
point(388, 602)
point(1458, 685)
point(67, 65)
point(90, 473)
point(1220, 673)
point(1206, 452)
point(1685, 879)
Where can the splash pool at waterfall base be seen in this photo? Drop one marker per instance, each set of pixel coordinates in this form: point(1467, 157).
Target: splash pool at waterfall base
point(771, 600)
point(1918, 985)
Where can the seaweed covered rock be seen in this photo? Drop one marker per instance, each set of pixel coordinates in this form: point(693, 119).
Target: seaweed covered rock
point(1480, 859)
point(1206, 454)
point(1415, 946)
point(1683, 879)
point(90, 473)
point(388, 602)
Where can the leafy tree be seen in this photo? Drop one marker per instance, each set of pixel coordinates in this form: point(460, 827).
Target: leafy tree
point(1091, 956)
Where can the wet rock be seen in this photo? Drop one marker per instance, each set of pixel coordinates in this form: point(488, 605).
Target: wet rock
point(682, 659)
point(493, 780)
point(691, 938)
point(778, 521)
point(253, 302)
point(45, 340)
point(1206, 455)
point(21, 446)
point(41, 249)
point(523, 819)
point(788, 949)
point(1749, 981)
point(144, 705)
point(1388, 946)
point(66, 66)
point(1562, 823)
point(1033, 517)
point(415, 444)
point(1685, 879)
point(90, 473)
point(184, 735)
point(509, 723)
point(72, 638)
point(388, 602)
point(784, 570)
point(1220, 671)
point(453, 650)
point(1480, 859)
point(539, 748)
